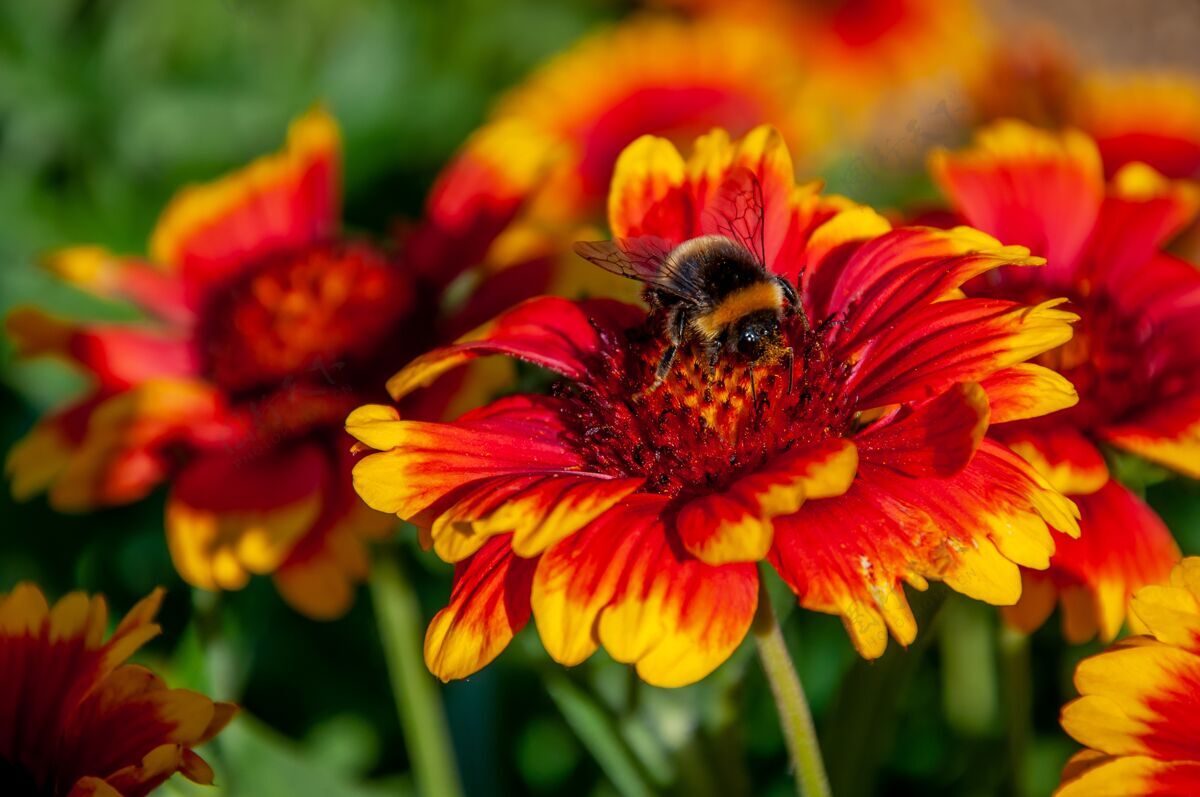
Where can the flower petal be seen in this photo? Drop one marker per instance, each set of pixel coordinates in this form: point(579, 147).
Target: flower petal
point(735, 525)
point(964, 340)
point(126, 279)
point(888, 276)
point(849, 555)
point(230, 515)
point(423, 463)
point(1030, 187)
point(538, 510)
point(116, 356)
point(489, 603)
point(935, 438)
point(1138, 698)
point(562, 336)
point(278, 202)
point(1123, 546)
point(1167, 433)
point(672, 616)
point(122, 446)
point(1066, 458)
point(1026, 390)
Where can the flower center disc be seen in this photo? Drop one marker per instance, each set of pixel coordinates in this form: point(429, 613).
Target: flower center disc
point(703, 427)
point(302, 314)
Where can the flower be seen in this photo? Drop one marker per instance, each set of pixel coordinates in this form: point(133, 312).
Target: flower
point(75, 720)
point(633, 517)
point(1133, 359)
point(1146, 117)
point(1139, 700)
point(860, 50)
point(263, 328)
point(649, 75)
point(1150, 117)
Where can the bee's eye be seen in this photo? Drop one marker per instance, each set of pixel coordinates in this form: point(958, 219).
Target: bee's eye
point(751, 340)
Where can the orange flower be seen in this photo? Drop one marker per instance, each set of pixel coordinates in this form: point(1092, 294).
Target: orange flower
point(1133, 359)
point(1135, 117)
point(633, 517)
point(572, 117)
point(263, 329)
point(1137, 713)
point(75, 720)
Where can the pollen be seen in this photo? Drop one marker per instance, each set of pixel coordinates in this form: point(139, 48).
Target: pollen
point(704, 425)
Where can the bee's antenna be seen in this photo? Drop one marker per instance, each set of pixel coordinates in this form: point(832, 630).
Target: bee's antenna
point(791, 364)
point(753, 390)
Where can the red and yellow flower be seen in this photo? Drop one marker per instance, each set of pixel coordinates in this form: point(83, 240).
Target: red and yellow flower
point(1134, 117)
point(262, 329)
point(75, 720)
point(635, 519)
point(1139, 700)
point(652, 74)
point(857, 50)
point(1133, 359)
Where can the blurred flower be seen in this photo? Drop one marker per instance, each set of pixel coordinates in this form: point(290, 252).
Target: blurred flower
point(1145, 116)
point(1139, 701)
point(75, 720)
point(264, 329)
point(1133, 359)
point(571, 118)
point(634, 517)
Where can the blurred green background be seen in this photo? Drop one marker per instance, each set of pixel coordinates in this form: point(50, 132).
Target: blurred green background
point(105, 109)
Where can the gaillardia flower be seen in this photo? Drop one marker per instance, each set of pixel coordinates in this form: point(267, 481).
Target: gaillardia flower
point(1139, 701)
point(633, 516)
point(1134, 117)
point(262, 330)
point(649, 75)
point(1133, 359)
point(75, 720)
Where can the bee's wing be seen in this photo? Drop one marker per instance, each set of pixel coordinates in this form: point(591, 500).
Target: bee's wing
point(736, 211)
point(643, 259)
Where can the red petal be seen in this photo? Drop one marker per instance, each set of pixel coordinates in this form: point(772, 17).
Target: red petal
point(489, 604)
point(1167, 432)
point(277, 203)
point(422, 463)
point(849, 555)
point(936, 438)
point(625, 582)
point(1067, 459)
point(1122, 546)
point(735, 525)
point(553, 333)
point(894, 273)
point(117, 356)
point(1026, 390)
point(1030, 187)
point(964, 340)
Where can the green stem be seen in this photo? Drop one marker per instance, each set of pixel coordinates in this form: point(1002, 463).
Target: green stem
point(1015, 662)
point(418, 702)
point(794, 715)
point(599, 734)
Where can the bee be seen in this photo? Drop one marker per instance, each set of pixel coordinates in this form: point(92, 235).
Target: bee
point(716, 288)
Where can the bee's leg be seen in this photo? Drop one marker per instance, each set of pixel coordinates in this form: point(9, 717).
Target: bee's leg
point(753, 389)
point(793, 299)
point(676, 328)
point(790, 356)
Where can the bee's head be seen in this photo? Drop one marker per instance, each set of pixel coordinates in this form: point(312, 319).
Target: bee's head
point(756, 334)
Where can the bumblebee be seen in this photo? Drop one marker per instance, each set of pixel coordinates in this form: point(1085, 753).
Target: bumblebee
point(715, 288)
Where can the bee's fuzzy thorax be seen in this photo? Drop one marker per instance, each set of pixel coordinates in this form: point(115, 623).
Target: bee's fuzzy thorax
point(751, 299)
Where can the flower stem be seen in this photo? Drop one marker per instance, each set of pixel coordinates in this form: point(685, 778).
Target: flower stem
point(794, 715)
point(1015, 661)
point(418, 701)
